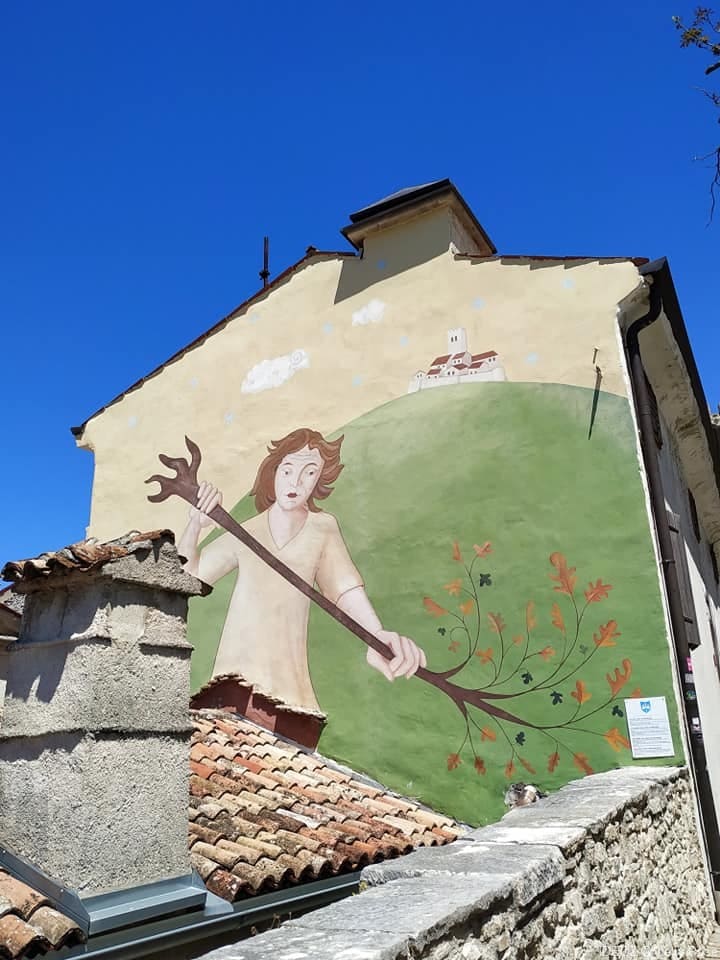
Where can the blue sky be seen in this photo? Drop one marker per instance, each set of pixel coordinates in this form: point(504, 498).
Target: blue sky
point(147, 148)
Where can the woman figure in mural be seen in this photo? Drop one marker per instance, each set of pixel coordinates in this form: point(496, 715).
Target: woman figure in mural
point(264, 638)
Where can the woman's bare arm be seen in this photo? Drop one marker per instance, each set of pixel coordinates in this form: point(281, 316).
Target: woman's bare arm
point(407, 655)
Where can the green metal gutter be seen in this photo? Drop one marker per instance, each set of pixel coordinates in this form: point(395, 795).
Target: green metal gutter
point(217, 918)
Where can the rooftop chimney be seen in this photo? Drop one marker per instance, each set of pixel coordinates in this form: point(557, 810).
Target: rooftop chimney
point(94, 730)
point(432, 217)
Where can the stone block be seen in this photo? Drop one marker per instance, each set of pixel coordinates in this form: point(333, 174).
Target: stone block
point(528, 870)
point(293, 943)
point(94, 684)
point(421, 908)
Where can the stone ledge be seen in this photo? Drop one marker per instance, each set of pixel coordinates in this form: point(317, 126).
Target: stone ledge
point(525, 871)
point(584, 806)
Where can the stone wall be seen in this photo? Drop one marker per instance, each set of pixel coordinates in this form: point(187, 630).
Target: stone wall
point(608, 867)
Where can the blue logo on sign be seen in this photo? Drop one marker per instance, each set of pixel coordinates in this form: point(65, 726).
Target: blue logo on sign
point(645, 706)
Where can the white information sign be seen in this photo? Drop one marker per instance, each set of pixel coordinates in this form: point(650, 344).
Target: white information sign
point(649, 727)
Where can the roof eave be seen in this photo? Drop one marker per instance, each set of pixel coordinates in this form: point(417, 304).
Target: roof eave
point(659, 270)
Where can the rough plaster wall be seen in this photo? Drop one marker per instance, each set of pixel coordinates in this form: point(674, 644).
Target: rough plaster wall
point(91, 811)
point(609, 867)
point(105, 656)
point(92, 685)
point(544, 320)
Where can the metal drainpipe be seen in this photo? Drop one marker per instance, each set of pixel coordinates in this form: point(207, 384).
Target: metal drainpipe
point(698, 764)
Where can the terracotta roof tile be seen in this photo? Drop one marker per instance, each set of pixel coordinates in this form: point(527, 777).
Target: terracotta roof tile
point(54, 926)
point(29, 925)
point(17, 936)
point(85, 555)
point(22, 897)
point(203, 866)
point(269, 813)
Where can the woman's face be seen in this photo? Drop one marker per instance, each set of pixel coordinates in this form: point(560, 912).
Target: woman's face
point(296, 478)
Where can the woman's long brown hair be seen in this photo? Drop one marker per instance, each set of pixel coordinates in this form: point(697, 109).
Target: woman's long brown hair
point(264, 487)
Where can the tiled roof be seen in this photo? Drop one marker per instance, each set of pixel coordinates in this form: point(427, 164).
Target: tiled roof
point(399, 195)
point(29, 926)
point(483, 356)
point(85, 555)
point(266, 813)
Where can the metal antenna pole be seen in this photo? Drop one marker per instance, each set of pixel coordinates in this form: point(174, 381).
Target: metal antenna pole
point(265, 272)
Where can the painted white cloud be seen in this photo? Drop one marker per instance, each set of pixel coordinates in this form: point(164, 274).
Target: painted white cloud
point(372, 312)
point(275, 372)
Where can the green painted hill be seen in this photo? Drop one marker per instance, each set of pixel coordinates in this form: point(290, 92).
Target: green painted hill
point(511, 464)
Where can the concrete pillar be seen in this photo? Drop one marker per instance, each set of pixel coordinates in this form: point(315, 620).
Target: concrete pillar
point(94, 735)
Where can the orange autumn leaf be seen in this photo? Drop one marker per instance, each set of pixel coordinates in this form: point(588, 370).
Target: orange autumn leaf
point(509, 769)
point(485, 655)
point(616, 740)
point(597, 591)
point(621, 677)
point(484, 550)
point(518, 640)
point(454, 646)
point(454, 587)
point(480, 766)
point(453, 761)
point(635, 694)
point(547, 653)
point(434, 609)
point(606, 636)
point(530, 619)
point(487, 734)
point(565, 578)
point(581, 692)
point(528, 766)
point(456, 552)
point(557, 617)
point(496, 622)
point(553, 761)
point(467, 607)
point(582, 763)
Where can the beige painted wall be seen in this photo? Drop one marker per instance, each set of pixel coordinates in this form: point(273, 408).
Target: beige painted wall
point(546, 321)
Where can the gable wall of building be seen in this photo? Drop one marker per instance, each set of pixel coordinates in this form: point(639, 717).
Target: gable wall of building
point(499, 524)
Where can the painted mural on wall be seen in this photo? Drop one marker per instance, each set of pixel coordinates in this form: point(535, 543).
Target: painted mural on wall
point(492, 537)
point(264, 636)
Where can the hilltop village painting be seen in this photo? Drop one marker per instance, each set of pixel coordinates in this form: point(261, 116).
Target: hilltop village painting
point(459, 367)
